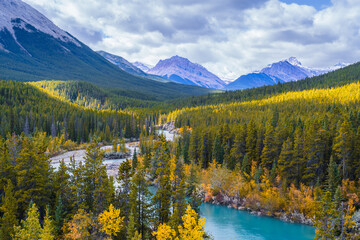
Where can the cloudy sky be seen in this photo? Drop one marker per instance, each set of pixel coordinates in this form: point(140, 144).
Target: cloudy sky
point(229, 37)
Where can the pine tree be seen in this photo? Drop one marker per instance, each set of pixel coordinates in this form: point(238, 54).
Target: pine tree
point(162, 197)
point(30, 228)
point(96, 179)
point(238, 149)
point(131, 227)
point(333, 178)
point(179, 194)
point(205, 150)
point(59, 216)
point(269, 151)
point(33, 174)
point(53, 128)
point(324, 220)
point(140, 201)
point(298, 160)
point(8, 209)
point(47, 233)
point(246, 165)
point(343, 146)
point(286, 167)
point(7, 171)
point(125, 174)
point(26, 127)
point(134, 160)
point(251, 139)
point(218, 150)
point(62, 189)
point(315, 153)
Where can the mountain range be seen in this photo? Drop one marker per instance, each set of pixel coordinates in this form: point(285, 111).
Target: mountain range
point(33, 48)
point(176, 69)
point(128, 67)
point(181, 70)
point(283, 71)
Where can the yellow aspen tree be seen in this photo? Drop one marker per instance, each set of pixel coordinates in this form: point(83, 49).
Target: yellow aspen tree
point(165, 232)
point(79, 226)
point(111, 222)
point(192, 228)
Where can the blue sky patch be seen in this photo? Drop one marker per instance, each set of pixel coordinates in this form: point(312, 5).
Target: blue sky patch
point(318, 4)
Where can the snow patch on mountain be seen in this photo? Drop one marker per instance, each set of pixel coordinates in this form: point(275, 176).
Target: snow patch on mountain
point(15, 13)
point(181, 70)
point(144, 67)
point(122, 63)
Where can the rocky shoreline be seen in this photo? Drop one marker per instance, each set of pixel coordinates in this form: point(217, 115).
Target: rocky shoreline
point(116, 155)
point(240, 204)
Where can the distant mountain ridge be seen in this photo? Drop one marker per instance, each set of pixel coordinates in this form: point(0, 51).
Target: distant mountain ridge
point(182, 70)
point(128, 67)
point(283, 71)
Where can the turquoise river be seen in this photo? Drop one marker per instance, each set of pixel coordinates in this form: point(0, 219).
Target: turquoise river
point(225, 223)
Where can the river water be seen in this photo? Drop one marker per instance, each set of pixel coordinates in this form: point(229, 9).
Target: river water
point(225, 223)
point(222, 223)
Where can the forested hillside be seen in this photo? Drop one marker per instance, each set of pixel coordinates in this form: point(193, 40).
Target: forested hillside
point(24, 108)
point(89, 95)
point(337, 78)
point(279, 151)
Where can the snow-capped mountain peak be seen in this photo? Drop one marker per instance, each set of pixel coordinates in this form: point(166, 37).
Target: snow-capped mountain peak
point(286, 70)
point(182, 70)
point(294, 61)
point(15, 13)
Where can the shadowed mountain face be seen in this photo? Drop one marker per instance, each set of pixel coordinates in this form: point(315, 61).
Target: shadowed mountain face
point(252, 80)
point(33, 48)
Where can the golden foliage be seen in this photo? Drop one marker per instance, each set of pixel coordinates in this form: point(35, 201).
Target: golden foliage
point(165, 232)
point(192, 228)
point(79, 226)
point(111, 221)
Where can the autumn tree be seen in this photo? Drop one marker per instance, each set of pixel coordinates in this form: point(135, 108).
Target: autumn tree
point(193, 227)
point(111, 222)
point(30, 228)
point(79, 226)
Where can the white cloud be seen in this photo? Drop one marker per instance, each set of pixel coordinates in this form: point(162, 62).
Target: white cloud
point(229, 37)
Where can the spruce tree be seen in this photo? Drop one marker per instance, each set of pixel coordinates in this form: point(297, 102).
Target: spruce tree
point(343, 146)
point(287, 169)
point(333, 178)
point(140, 201)
point(251, 139)
point(134, 160)
point(268, 154)
point(47, 233)
point(162, 197)
point(218, 150)
point(30, 228)
point(9, 209)
point(246, 165)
